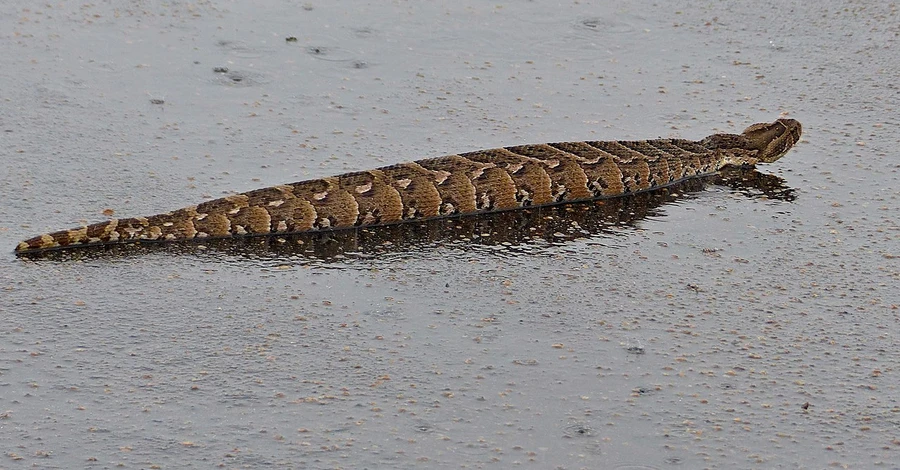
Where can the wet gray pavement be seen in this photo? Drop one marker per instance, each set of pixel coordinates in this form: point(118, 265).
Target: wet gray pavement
point(722, 329)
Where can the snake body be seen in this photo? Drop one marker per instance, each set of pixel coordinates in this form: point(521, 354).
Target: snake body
point(467, 183)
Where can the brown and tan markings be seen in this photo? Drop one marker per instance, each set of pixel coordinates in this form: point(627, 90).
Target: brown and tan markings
point(468, 183)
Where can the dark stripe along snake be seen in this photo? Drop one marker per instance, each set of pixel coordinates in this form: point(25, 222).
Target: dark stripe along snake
point(454, 185)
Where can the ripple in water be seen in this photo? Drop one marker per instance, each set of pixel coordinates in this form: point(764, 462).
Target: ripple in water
point(577, 429)
point(239, 78)
point(604, 25)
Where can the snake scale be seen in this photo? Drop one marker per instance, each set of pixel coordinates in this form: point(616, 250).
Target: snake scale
point(468, 183)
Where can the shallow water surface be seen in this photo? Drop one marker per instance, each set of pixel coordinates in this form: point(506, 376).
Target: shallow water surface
point(720, 326)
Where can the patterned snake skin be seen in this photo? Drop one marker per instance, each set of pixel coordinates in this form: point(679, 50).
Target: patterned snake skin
point(468, 183)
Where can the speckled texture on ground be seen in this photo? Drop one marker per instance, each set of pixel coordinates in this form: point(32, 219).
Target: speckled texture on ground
point(723, 332)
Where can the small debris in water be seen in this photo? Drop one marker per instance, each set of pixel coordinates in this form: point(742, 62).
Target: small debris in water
point(635, 349)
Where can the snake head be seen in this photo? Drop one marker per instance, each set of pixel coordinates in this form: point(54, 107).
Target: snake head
point(772, 140)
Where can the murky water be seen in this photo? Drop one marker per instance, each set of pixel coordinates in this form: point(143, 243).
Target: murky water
point(724, 326)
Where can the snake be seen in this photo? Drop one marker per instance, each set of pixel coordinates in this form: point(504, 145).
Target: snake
point(470, 183)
